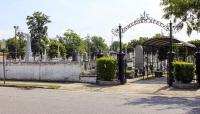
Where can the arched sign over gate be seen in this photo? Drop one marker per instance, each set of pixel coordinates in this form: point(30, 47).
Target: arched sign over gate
point(145, 18)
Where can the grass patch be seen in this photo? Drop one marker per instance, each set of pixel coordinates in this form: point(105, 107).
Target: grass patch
point(28, 85)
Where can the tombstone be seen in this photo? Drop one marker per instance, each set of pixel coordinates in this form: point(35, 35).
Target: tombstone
point(28, 56)
point(139, 56)
point(85, 56)
point(85, 61)
point(58, 56)
point(130, 61)
point(100, 54)
point(74, 56)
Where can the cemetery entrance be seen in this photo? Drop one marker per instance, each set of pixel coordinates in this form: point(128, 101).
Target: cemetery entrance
point(145, 18)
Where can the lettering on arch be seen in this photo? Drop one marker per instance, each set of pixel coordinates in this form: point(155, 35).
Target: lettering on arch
point(143, 19)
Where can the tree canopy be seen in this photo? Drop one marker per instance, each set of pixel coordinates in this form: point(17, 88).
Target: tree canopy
point(38, 30)
point(15, 44)
point(133, 43)
point(187, 12)
point(115, 46)
point(72, 42)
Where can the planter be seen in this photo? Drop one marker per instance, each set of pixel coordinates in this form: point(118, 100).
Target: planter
point(181, 85)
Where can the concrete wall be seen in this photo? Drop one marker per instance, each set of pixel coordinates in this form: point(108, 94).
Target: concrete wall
point(88, 79)
point(42, 71)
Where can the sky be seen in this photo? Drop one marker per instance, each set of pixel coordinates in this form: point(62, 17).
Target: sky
point(86, 17)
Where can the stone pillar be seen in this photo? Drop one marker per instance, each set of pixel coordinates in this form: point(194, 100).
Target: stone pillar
point(28, 56)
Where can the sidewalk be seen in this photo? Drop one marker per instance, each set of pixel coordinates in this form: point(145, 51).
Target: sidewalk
point(156, 86)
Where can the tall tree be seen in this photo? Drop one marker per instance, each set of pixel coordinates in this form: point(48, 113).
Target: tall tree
point(12, 44)
point(133, 43)
point(98, 43)
point(115, 46)
point(38, 30)
point(54, 47)
point(72, 42)
point(187, 12)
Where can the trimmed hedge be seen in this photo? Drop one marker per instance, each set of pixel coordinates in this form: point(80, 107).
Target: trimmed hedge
point(106, 68)
point(183, 71)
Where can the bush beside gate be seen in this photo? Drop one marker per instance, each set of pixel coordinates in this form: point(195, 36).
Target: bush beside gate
point(106, 69)
point(183, 71)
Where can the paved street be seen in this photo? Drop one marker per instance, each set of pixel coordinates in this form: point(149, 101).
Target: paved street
point(46, 101)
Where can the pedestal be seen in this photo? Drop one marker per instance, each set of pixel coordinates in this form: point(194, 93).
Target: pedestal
point(170, 77)
point(121, 65)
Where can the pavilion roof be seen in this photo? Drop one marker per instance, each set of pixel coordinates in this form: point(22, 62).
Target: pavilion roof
point(164, 42)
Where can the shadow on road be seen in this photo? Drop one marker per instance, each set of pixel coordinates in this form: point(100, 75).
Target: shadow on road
point(186, 103)
point(151, 80)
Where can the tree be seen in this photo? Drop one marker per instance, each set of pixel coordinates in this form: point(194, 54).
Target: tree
point(115, 46)
point(133, 43)
point(38, 30)
point(72, 43)
point(196, 43)
point(124, 47)
point(187, 12)
point(13, 44)
point(53, 49)
point(98, 43)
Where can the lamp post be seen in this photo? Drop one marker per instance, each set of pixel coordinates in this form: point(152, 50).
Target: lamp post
point(16, 28)
point(120, 57)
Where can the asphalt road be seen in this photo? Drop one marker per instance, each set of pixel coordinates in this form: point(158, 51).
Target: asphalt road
point(44, 101)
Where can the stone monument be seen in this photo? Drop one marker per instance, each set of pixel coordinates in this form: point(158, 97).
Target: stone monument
point(28, 56)
point(139, 56)
point(44, 56)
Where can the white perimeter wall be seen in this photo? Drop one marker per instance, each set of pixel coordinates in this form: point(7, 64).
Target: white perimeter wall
point(43, 71)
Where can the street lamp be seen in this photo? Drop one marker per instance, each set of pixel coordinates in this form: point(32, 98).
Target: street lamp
point(16, 28)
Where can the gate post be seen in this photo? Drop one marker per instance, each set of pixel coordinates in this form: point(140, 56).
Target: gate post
point(197, 56)
point(120, 57)
point(171, 55)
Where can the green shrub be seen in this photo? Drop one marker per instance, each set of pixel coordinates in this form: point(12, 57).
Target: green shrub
point(106, 68)
point(183, 71)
